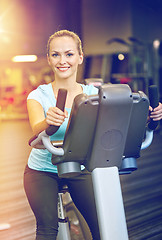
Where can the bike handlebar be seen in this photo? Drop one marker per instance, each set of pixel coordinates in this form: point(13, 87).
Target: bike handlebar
point(61, 99)
point(152, 125)
point(154, 102)
point(36, 140)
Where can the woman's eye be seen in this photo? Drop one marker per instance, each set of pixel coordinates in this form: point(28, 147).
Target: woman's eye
point(69, 54)
point(54, 55)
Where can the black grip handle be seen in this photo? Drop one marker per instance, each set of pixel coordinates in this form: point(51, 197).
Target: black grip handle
point(154, 102)
point(61, 99)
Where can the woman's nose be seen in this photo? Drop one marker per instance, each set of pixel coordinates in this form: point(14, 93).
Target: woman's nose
point(62, 59)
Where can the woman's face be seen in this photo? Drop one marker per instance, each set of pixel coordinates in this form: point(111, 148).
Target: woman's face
point(64, 57)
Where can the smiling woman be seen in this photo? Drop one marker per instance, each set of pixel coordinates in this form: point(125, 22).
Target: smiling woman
point(41, 181)
point(64, 59)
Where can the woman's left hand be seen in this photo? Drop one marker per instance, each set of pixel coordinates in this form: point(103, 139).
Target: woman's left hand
point(156, 113)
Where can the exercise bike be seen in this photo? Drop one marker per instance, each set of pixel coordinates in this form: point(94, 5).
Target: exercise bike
point(111, 147)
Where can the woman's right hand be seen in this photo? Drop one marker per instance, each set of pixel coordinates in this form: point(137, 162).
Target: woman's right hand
point(55, 116)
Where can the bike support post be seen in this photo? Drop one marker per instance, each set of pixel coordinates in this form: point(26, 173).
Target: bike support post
point(64, 231)
point(109, 204)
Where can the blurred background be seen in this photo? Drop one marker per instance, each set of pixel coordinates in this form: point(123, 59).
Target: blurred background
point(122, 41)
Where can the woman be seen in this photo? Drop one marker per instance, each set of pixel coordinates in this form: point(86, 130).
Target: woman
point(41, 182)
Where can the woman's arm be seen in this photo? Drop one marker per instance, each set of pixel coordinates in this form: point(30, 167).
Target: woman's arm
point(156, 113)
point(37, 119)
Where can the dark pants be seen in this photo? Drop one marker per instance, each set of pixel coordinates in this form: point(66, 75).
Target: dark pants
point(42, 192)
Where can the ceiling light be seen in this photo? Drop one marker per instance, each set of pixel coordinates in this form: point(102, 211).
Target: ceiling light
point(24, 58)
point(121, 57)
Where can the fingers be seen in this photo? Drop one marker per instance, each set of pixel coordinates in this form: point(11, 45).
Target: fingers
point(159, 108)
point(156, 117)
point(55, 116)
point(66, 113)
point(156, 113)
point(150, 109)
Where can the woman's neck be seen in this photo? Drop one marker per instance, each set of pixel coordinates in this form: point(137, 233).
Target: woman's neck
point(73, 89)
point(69, 84)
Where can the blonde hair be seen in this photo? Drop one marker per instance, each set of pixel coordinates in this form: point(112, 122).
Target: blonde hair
point(66, 33)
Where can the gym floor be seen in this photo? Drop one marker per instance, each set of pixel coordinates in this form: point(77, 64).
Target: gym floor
point(142, 190)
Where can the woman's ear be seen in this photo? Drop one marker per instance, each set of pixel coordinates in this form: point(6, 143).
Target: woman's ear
point(81, 57)
point(48, 60)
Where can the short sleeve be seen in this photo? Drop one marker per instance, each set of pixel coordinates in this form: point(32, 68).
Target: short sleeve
point(35, 95)
point(90, 89)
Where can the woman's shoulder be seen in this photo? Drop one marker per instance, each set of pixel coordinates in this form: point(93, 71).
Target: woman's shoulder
point(44, 87)
point(41, 89)
point(89, 89)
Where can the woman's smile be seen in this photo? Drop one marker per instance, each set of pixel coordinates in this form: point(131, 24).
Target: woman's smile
point(63, 69)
